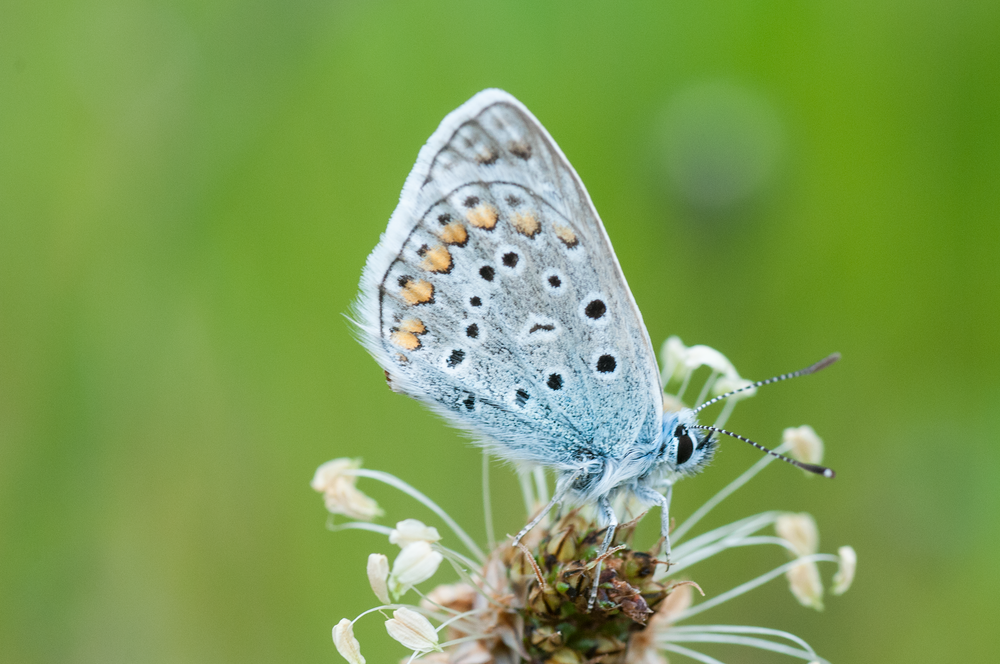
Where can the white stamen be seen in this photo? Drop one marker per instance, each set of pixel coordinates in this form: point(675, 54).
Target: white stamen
point(347, 645)
point(845, 569)
point(744, 588)
point(491, 539)
point(805, 584)
point(335, 480)
point(408, 531)
point(805, 445)
point(378, 575)
point(723, 494)
point(800, 531)
point(394, 481)
point(416, 563)
point(673, 356)
point(412, 630)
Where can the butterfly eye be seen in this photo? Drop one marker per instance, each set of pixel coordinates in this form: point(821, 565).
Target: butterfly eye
point(685, 447)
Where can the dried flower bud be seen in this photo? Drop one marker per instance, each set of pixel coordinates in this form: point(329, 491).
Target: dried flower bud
point(339, 492)
point(412, 530)
point(378, 576)
point(416, 563)
point(347, 645)
point(547, 638)
point(562, 546)
point(565, 656)
point(805, 584)
point(800, 531)
point(412, 630)
point(845, 569)
point(807, 447)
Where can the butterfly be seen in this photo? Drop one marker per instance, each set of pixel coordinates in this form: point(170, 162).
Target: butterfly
point(495, 297)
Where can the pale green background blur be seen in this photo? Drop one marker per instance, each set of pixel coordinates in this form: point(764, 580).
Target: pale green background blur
point(188, 192)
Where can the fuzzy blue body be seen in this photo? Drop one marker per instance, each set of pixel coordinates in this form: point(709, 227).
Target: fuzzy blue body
point(641, 468)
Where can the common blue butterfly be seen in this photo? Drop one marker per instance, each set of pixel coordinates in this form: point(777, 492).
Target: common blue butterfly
point(494, 297)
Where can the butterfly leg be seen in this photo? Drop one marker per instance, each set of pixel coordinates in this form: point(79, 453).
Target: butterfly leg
point(541, 515)
point(609, 515)
point(665, 521)
point(663, 500)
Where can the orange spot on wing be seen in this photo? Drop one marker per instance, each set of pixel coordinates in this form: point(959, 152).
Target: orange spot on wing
point(520, 149)
point(487, 156)
point(482, 216)
point(454, 233)
point(405, 340)
point(437, 259)
point(526, 224)
point(566, 234)
point(413, 326)
point(417, 291)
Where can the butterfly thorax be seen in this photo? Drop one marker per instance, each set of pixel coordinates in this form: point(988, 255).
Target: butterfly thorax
point(680, 451)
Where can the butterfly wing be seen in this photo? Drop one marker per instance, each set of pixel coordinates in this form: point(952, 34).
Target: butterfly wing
point(495, 297)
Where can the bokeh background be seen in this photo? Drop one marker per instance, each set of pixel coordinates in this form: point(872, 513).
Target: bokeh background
point(188, 192)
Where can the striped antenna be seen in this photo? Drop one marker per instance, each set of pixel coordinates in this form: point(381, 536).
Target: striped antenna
point(822, 364)
point(812, 468)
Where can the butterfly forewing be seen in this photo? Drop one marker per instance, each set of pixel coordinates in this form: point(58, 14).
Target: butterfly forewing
point(495, 296)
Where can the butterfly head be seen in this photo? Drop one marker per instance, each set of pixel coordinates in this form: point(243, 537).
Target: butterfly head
point(685, 449)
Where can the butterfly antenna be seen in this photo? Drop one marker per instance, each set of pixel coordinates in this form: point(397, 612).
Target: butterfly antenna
point(822, 364)
point(812, 468)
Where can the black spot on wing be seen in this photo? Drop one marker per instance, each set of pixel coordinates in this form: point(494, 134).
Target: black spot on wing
point(521, 397)
point(595, 309)
point(456, 358)
point(606, 363)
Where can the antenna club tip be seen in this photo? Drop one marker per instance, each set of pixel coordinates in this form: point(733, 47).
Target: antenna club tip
point(824, 363)
point(818, 470)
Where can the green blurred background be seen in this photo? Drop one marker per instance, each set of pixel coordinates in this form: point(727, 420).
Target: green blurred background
point(188, 192)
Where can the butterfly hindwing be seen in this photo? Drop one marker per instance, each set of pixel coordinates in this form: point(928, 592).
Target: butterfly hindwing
point(496, 298)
